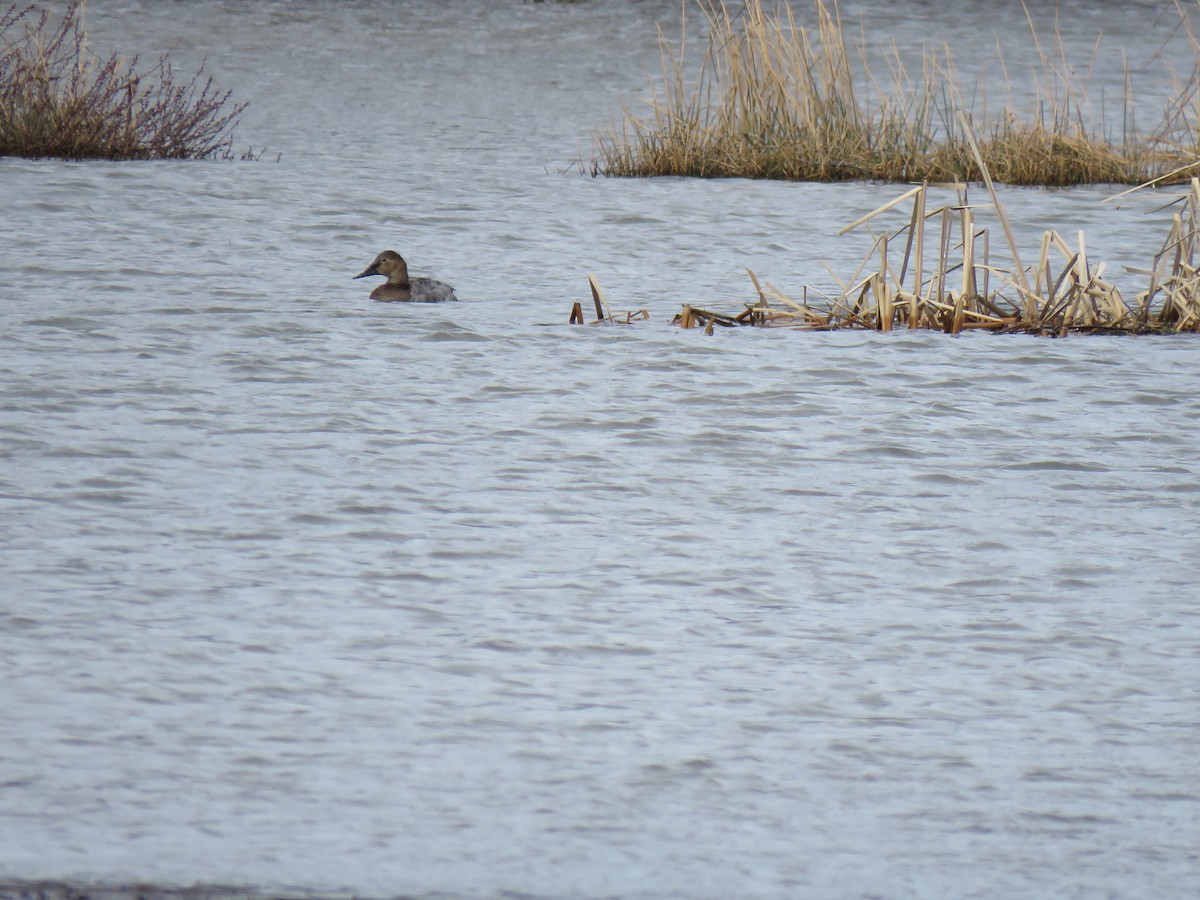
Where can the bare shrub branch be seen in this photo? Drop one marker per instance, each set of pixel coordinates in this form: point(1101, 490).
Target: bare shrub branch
point(58, 99)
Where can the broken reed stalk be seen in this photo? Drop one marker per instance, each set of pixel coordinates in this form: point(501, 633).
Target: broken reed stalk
point(604, 315)
point(1063, 293)
point(773, 99)
point(57, 99)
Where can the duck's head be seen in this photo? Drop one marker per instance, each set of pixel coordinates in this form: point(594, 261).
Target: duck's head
point(389, 264)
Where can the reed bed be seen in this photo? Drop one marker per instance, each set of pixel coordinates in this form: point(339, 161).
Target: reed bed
point(939, 271)
point(57, 99)
point(772, 99)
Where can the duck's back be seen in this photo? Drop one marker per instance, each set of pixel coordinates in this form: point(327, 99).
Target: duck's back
point(429, 290)
point(419, 290)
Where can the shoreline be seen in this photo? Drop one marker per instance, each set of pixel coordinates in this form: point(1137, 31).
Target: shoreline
point(60, 889)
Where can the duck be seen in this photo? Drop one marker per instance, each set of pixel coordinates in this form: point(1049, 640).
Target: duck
point(399, 287)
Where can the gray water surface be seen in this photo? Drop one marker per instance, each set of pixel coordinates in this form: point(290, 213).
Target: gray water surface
point(308, 593)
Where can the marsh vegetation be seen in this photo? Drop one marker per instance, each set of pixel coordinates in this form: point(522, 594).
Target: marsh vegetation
point(774, 99)
point(58, 99)
point(942, 269)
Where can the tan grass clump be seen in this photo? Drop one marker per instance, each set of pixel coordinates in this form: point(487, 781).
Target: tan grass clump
point(938, 271)
point(776, 100)
point(771, 101)
point(59, 100)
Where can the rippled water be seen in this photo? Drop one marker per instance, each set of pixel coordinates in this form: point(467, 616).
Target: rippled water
point(303, 591)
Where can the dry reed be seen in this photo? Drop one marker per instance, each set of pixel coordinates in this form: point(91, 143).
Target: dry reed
point(773, 99)
point(57, 99)
point(604, 313)
point(938, 271)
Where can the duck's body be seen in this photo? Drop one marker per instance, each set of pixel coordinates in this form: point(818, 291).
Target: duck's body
point(399, 287)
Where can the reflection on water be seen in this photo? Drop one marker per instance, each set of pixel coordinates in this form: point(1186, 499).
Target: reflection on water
point(301, 590)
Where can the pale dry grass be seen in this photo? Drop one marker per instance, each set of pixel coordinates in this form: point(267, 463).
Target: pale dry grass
point(772, 99)
point(939, 271)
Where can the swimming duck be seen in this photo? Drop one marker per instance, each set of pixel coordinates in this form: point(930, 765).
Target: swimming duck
point(399, 286)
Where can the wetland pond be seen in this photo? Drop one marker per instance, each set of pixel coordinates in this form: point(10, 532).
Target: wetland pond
point(311, 594)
